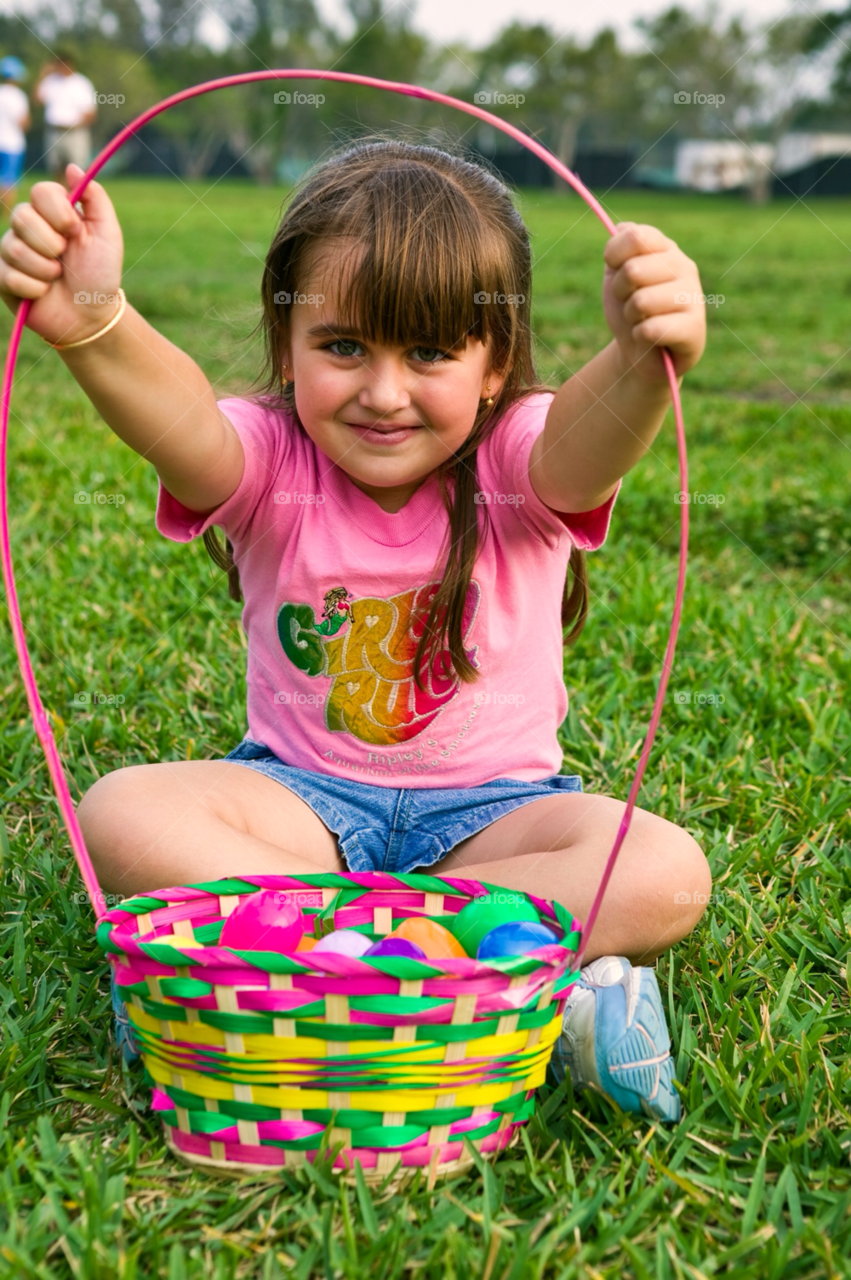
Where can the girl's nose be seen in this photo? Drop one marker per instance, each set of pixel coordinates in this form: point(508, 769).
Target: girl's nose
point(385, 388)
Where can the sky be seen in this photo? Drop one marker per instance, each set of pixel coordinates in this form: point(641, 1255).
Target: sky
point(476, 21)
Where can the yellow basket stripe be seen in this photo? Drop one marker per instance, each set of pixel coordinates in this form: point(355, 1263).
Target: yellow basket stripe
point(285, 1048)
point(368, 1100)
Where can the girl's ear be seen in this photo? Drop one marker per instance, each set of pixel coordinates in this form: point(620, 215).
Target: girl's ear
point(493, 383)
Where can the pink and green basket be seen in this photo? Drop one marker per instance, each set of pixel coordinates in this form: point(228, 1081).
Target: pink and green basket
point(256, 1057)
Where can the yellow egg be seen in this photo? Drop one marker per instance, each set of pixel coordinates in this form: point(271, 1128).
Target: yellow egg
point(177, 941)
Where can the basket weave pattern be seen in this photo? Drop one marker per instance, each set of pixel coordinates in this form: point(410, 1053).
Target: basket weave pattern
point(258, 1057)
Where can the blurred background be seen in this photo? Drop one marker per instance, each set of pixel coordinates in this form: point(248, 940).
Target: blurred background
point(628, 94)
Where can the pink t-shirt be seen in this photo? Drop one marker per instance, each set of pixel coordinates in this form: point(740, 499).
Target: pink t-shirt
point(330, 582)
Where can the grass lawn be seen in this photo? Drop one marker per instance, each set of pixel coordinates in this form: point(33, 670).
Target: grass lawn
point(755, 1180)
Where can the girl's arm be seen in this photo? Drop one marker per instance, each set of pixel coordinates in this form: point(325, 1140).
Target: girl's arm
point(150, 392)
point(604, 418)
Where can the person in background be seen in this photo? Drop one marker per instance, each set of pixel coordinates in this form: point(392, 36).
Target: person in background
point(69, 108)
point(14, 120)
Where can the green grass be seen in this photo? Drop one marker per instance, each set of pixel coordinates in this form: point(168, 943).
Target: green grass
point(755, 1181)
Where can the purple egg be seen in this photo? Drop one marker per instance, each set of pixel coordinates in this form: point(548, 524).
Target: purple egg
point(344, 942)
point(514, 939)
point(396, 947)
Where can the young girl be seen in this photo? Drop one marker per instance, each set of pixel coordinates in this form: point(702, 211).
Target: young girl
point(402, 504)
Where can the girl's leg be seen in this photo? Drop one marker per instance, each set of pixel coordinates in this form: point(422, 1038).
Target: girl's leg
point(151, 826)
point(557, 847)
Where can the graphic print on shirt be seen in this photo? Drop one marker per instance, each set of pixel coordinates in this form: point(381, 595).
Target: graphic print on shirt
point(374, 695)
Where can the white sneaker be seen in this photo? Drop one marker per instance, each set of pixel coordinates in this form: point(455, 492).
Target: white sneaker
point(615, 1039)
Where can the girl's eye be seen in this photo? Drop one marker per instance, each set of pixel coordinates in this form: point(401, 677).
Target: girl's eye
point(429, 355)
point(343, 343)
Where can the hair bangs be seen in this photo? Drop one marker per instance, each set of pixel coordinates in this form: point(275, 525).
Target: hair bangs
point(427, 268)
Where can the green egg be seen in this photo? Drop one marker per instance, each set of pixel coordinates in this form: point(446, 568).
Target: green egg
point(500, 906)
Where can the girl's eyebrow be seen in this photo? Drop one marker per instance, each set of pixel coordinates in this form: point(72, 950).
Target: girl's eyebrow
point(325, 330)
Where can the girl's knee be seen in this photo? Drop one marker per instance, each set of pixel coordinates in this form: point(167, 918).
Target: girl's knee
point(105, 811)
point(689, 880)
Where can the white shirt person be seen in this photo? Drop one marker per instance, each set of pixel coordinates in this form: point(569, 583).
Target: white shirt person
point(70, 106)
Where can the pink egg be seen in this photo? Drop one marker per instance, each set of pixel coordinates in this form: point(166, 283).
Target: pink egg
point(344, 942)
point(264, 921)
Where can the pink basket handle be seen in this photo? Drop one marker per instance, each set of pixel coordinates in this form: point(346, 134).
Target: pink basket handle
point(40, 719)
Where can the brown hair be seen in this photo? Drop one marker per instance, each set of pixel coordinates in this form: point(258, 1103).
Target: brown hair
point(445, 257)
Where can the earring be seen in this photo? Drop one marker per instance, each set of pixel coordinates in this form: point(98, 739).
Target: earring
point(284, 380)
point(489, 399)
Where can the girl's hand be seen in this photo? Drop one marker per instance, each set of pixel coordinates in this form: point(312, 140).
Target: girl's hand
point(652, 298)
point(69, 265)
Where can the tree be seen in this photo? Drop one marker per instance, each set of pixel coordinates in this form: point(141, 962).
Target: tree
point(829, 36)
point(699, 77)
point(570, 89)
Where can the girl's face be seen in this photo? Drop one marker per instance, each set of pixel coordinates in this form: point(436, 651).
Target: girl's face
point(388, 416)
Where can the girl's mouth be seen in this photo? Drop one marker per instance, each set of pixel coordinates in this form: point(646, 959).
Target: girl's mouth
point(385, 433)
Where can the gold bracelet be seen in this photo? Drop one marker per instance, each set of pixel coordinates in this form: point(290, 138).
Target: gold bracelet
point(66, 346)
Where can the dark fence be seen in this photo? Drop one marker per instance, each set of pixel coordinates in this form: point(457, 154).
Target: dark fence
point(154, 153)
point(150, 152)
point(830, 176)
point(600, 170)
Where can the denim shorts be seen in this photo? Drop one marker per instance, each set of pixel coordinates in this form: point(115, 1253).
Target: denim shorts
point(398, 829)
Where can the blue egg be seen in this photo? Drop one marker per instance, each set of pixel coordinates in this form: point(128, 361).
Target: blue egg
point(514, 939)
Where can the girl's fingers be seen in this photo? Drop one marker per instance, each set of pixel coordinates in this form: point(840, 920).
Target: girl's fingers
point(656, 300)
point(634, 239)
point(37, 231)
point(673, 329)
point(18, 254)
point(15, 284)
point(650, 268)
point(51, 201)
point(95, 203)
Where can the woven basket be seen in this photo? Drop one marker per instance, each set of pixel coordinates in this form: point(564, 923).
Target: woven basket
point(259, 1059)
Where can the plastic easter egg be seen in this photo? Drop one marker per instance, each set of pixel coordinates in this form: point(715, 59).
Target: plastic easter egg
point(307, 942)
point(264, 921)
point(514, 939)
point(479, 917)
point(344, 942)
point(438, 943)
point(177, 941)
point(396, 947)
